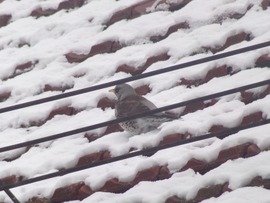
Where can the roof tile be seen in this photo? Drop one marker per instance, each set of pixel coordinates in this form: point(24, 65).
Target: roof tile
point(151, 35)
point(265, 4)
point(4, 19)
point(84, 191)
point(115, 186)
point(149, 61)
point(260, 182)
point(208, 192)
point(4, 95)
point(67, 193)
point(68, 4)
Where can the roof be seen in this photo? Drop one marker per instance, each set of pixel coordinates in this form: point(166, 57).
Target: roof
point(48, 48)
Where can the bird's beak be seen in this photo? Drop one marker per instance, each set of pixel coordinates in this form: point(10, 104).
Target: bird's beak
point(112, 90)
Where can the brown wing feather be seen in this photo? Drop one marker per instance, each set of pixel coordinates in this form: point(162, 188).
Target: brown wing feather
point(132, 105)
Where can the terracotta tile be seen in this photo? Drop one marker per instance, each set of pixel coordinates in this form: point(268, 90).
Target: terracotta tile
point(116, 45)
point(38, 200)
point(217, 72)
point(171, 138)
point(252, 150)
point(38, 12)
point(100, 48)
point(63, 110)
point(76, 58)
point(211, 102)
point(175, 27)
point(89, 158)
point(154, 59)
point(70, 4)
point(226, 188)
point(148, 174)
point(4, 95)
point(258, 181)
point(138, 70)
point(21, 68)
point(119, 15)
point(9, 180)
point(193, 107)
point(247, 97)
point(127, 69)
point(189, 83)
point(171, 29)
point(79, 74)
point(115, 186)
point(176, 5)
point(257, 116)
point(164, 173)
point(265, 4)
point(263, 61)
point(231, 40)
point(265, 92)
point(91, 136)
point(79, 191)
point(106, 155)
point(24, 66)
point(4, 19)
point(216, 128)
point(105, 102)
point(208, 192)
point(233, 15)
point(233, 152)
point(194, 164)
point(143, 90)
point(49, 87)
point(235, 39)
point(112, 129)
point(84, 192)
point(67, 193)
point(172, 5)
point(141, 8)
point(175, 199)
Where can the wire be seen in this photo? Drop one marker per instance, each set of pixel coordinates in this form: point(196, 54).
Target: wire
point(11, 196)
point(147, 113)
point(147, 152)
point(144, 152)
point(136, 77)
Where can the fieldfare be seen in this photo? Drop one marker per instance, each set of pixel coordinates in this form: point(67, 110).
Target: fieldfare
point(130, 103)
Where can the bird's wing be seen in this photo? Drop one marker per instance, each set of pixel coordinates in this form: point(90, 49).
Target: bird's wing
point(133, 105)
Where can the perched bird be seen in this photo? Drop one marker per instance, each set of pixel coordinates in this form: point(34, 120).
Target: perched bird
point(130, 103)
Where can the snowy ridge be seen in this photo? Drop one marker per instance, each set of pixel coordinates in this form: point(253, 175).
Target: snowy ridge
point(49, 47)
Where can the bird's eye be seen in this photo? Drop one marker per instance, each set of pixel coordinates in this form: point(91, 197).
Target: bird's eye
point(116, 89)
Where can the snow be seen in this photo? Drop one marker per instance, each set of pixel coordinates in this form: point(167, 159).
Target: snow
point(243, 195)
point(186, 184)
point(48, 39)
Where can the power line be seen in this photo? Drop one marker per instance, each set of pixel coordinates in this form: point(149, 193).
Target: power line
point(136, 77)
point(99, 125)
point(115, 121)
point(144, 152)
point(11, 196)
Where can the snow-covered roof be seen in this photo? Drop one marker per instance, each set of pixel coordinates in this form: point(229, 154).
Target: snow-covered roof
point(56, 46)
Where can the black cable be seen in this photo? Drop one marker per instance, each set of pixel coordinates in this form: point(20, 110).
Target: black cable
point(111, 122)
point(11, 196)
point(143, 152)
point(136, 77)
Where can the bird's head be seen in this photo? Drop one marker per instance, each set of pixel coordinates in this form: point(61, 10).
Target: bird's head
point(122, 91)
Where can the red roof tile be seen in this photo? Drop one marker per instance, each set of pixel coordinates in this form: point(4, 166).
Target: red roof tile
point(52, 47)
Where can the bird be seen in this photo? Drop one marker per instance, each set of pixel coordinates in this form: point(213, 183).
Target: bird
point(129, 103)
